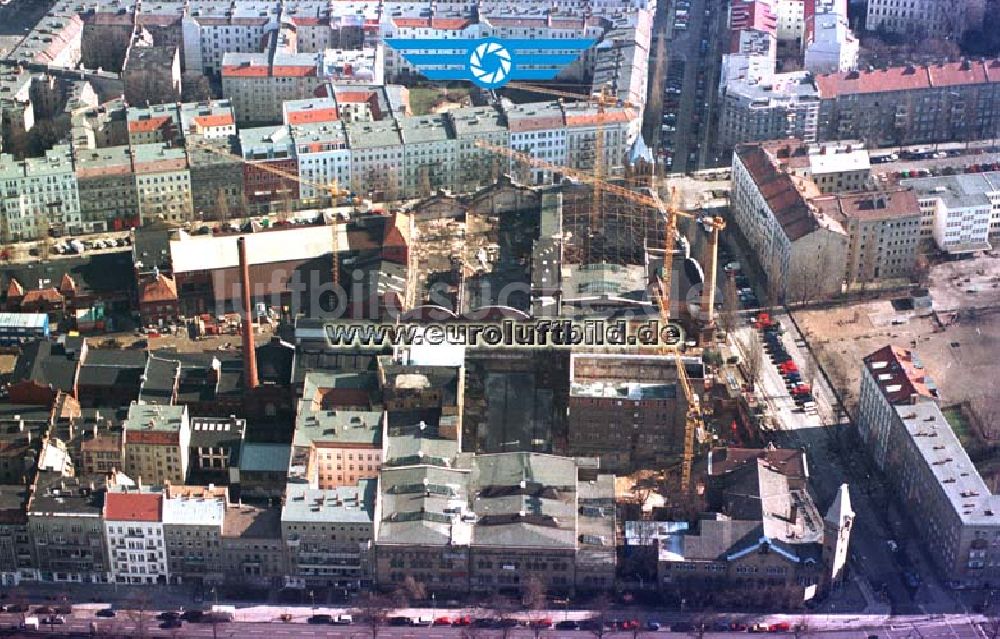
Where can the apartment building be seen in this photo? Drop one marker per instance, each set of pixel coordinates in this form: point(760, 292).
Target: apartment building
point(39, 194)
point(215, 448)
point(153, 124)
point(830, 45)
point(216, 177)
point(772, 206)
point(253, 552)
point(476, 167)
point(626, 410)
point(101, 452)
point(324, 158)
point(790, 22)
point(911, 104)
point(317, 110)
point(151, 70)
point(328, 534)
point(961, 213)
point(192, 535)
point(334, 446)
point(537, 129)
point(17, 113)
point(377, 158)
point(884, 232)
point(786, 105)
point(133, 527)
point(258, 83)
point(890, 376)
point(210, 30)
point(270, 147)
point(429, 154)
point(162, 182)
point(56, 40)
point(16, 549)
point(107, 188)
point(584, 122)
point(762, 539)
point(66, 529)
point(456, 522)
point(157, 443)
point(926, 18)
point(900, 419)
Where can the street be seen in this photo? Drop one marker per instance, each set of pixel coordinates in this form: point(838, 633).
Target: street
point(856, 627)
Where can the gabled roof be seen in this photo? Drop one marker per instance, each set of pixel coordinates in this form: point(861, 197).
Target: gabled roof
point(161, 289)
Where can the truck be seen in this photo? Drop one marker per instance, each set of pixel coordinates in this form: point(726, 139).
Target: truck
point(30, 623)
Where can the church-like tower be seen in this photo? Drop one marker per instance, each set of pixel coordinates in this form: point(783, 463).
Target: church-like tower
point(837, 526)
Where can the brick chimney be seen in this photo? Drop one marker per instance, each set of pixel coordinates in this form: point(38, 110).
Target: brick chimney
point(249, 349)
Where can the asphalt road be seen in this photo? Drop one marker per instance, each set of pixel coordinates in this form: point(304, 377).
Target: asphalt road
point(962, 630)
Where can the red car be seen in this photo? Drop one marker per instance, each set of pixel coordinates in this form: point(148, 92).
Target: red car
point(442, 621)
point(540, 623)
point(788, 367)
point(781, 626)
point(629, 624)
point(462, 621)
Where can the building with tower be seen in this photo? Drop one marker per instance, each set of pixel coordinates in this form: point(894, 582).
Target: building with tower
point(761, 540)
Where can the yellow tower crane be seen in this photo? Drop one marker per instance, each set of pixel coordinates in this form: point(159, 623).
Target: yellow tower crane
point(661, 293)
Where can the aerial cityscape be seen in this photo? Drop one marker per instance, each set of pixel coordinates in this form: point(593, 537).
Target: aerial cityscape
point(483, 319)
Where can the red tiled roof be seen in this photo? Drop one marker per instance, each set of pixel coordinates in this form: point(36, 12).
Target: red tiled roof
point(312, 115)
point(14, 289)
point(899, 375)
point(594, 118)
point(162, 289)
point(286, 71)
point(245, 71)
point(782, 192)
point(49, 295)
point(447, 24)
point(147, 126)
point(907, 78)
point(132, 506)
point(353, 96)
point(221, 119)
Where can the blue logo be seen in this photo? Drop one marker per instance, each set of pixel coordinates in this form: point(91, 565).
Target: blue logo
point(490, 62)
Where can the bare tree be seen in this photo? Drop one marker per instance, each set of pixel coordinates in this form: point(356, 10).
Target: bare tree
point(138, 612)
point(985, 406)
point(409, 591)
point(147, 87)
point(221, 206)
point(752, 360)
point(597, 624)
point(533, 594)
point(373, 611)
point(775, 290)
point(729, 317)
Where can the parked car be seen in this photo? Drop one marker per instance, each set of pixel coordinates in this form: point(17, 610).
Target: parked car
point(399, 621)
point(653, 626)
point(172, 623)
point(780, 626)
point(442, 621)
point(462, 621)
point(569, 624)
point(321, 618)
point(540, 623)
point(343, 620)
point(53, 620)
